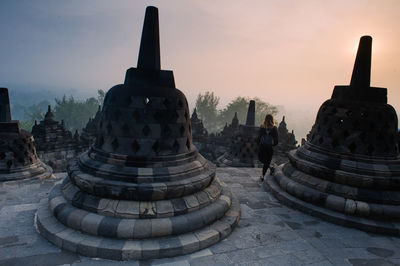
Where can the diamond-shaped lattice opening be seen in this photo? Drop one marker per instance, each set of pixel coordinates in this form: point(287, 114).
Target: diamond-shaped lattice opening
point(135, 146)
point(370, 148)
point(348, 113)
point(146, 130)
point(115, 144)
point(174, 117)
point(188, 144)
point(109, 127)
point(182, 130)
point(147, 101)
point(167, 102)
point(364, 114)
point(156, 147)
point(125, 128)
point(159, 116)
point(176, 146)
point(353, 147)
point(137, 115)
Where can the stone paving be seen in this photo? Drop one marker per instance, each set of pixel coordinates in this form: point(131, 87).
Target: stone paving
point(268, 233)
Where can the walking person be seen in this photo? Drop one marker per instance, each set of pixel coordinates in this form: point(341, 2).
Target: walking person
point(267, 138)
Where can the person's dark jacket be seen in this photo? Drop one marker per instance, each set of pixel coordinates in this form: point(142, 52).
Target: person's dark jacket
point(263, 154)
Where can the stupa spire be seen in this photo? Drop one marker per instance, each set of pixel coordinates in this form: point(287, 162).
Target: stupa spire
point(5, 114)
point(361, 76)
point(149, 53)
point(251, 114)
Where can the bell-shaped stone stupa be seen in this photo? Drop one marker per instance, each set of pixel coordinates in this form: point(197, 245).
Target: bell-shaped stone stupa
point(142, 191)
point(18, 158)
point(54, 143)
point(348, 171)
point(243, 150)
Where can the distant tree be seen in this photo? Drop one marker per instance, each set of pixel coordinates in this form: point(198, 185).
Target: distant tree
point(241, 105)
point(262, 109)
point(75, 113)
point(37, 111)
point(206, 107)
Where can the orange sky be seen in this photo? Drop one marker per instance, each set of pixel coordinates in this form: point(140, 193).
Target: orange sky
point(289, 53)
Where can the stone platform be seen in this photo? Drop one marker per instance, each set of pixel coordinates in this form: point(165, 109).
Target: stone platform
point(268, 232)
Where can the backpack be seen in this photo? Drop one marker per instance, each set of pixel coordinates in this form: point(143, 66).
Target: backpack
point(266, 141)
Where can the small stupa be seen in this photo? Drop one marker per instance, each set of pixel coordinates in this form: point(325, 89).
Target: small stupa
point(243, 150)
point(142, 191)
point(348, 170)
point(18, 158)
point(199, 132)
point(55, 144)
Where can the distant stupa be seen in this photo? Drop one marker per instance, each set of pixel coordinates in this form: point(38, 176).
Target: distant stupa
point(142, 191)
point(348, 171)
point(243, 150)
point(18, 158)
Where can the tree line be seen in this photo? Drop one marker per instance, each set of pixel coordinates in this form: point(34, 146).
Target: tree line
point(214, 119)
point(75, 113)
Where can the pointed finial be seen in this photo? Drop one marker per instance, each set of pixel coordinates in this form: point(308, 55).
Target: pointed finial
point(149, 53)
point(98, 110)
point(251, 114)
point(49, 108)
point(35, 122)
point(361, 76)
point(5, 113)
point(283, 119)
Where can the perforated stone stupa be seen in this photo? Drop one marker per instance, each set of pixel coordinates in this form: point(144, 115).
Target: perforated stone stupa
point(348, 171)
point(230, 131)
point(142, 191)
point(18, 158)
point(199, 132)
point(55, 144)
point(243, 150)
point(287, 140)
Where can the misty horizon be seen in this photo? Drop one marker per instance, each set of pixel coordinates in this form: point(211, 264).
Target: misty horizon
point(288, 53)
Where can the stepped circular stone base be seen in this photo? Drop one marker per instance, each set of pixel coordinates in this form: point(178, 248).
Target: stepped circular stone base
point(226, 160)
point(105, 235)
point(275, 183)
point(37, 170)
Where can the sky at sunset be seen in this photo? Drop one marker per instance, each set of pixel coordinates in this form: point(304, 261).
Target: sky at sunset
point(288, 53)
